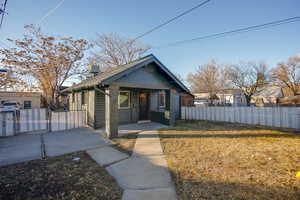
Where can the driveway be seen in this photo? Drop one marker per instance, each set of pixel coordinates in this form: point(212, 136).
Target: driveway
point(28, 146)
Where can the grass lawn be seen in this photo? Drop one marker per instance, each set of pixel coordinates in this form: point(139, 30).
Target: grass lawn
point(215, 160)
point(58, 178)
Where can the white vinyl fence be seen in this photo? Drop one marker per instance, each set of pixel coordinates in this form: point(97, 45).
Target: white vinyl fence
point(288, 117)
point(32, 120)
point(6, 124)
point(67, 120)
point(29, 120)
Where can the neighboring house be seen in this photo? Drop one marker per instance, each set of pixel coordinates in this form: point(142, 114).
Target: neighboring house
point(63, 98)
point(27, 100)
point(201, 99)
point(141, 90)
point(187, 99)
point(231, 97)
point(267, 96)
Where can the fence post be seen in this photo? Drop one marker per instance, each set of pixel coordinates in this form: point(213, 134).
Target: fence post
point(14, 122)
point(4, 124)
point(49, 120)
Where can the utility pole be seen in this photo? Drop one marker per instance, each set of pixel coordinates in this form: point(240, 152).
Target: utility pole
point(2, 12)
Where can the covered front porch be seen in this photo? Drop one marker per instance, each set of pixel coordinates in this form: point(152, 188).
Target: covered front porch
point(129, 104)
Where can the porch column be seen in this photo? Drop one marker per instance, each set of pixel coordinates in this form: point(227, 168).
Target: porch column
point(111, 111)
point(172, 107)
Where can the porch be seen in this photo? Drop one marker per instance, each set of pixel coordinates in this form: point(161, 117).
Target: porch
point(132, 105)
point(126, 129)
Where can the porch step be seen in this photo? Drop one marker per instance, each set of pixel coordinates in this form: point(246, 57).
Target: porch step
point(143, 121)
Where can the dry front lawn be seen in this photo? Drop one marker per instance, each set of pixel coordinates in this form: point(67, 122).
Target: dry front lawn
point(58, 178)
point(214, 160)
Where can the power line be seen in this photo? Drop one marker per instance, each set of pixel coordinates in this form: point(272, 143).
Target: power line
point(50, 11)
point(2, 12)
point(235, 31)
point(172, 19)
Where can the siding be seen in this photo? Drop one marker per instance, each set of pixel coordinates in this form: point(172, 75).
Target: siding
point(20, 97)
point(91, 108)
point(125, 116)
point(99, 110)
point(154, 101)
point(135, 106)
point(147, 75)
point(177, 103)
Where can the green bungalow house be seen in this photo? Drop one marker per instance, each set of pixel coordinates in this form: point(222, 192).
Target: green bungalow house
point(141, 90)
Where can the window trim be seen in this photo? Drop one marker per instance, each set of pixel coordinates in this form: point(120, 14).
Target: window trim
point(129, 100)
point(159, 93)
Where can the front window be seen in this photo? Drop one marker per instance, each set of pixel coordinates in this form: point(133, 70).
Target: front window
point(162, 99)
point(27, 104)
point(124, 99)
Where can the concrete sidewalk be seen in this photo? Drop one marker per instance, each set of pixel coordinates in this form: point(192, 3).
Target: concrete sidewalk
point(144, 175)
point(19, 149)
point(27, 147)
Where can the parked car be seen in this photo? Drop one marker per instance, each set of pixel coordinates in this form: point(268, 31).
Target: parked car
point(10, 106)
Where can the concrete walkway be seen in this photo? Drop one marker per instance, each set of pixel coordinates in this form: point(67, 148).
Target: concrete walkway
point(144, 175)
point(27, 147)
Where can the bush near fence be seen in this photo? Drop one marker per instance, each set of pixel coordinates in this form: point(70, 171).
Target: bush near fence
point(29, 120)
point(286, 117)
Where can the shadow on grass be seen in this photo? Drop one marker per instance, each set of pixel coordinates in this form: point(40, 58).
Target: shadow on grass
point(58, 178)
point(125, 143)
point(188, 189)
point(216, 135)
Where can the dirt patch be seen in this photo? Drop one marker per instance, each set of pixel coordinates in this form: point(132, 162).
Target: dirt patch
point(232, 161)
point(58, 178)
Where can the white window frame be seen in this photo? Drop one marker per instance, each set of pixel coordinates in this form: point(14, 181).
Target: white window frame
point(129, 99)
point(164, 93)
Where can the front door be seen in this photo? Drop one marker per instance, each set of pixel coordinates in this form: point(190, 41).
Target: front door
point(144, 106)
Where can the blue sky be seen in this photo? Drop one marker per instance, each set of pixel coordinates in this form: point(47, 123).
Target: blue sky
point(83, 19)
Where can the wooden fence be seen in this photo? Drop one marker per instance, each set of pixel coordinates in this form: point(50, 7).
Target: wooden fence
point(29, 120)
point(288, 117)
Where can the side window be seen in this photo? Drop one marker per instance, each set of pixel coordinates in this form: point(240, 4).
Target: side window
point(27, 104)
point(124, 99)
point(162, 99)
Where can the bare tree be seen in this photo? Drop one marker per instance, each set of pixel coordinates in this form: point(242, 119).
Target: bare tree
point(248, 77)
point(45, 60)
point(206, 78)
point(113, 50)
point(7, 78)
point(289, 74)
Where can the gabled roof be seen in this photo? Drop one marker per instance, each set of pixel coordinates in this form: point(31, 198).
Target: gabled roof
point(115, 73)
point(269, 91)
